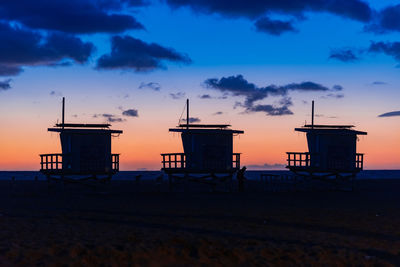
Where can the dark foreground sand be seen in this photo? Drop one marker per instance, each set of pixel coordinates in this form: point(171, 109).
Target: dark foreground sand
point(121, 224)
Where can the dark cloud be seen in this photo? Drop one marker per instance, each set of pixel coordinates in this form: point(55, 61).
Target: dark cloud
point(130, 113)
point(21, 47)
point(390, 114)
point(389, 48)
point(266, 166)
point(353, 9)
point(10, 70)
point(133, 54)
point(150, 85)
point(5, 85)
point(177, 95)
point(192, 120)
point(109, 117)
point(386, 20)
point(389, 18)
point(274, 27)
point(206, 96)
point(71, 16)
point(218, 113)
point(238, 86)
point(345, 55)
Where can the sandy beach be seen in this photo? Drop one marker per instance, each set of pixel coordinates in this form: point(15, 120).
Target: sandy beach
point(128, 224)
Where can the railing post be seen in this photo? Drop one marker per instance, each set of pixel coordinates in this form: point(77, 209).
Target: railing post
point(362, 161)
point(175, 161)
point(182, 161)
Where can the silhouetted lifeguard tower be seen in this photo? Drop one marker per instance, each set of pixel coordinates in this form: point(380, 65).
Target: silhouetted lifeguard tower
point(86, 151)
point(331, 152)
point(208, 150)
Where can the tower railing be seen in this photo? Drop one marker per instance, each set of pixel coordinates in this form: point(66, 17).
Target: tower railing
point(178, 161)
point(51, 162)
point(173, 160)
point(303, 160)
point(359, 161)
point(298, 159)
point(54, 162)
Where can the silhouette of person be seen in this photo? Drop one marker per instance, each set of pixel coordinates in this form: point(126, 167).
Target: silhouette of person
point(240, 177)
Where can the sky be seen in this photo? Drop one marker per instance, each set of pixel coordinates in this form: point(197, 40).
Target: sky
point(256, 65)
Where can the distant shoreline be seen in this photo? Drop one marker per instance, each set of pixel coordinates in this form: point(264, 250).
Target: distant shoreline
point(149, 175)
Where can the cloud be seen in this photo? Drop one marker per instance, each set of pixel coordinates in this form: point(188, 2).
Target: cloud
point(129, 53)
point(71, 16)
point(274, 27)
point(109, 117)
point(218, 113)
point(150, 85)
point(20, 47)
point(192, 120)
point(5, 85)
point(390, 114)
point(334, 96)
point(378, 83)
point(178, 95)
point(130, 113)
point(344, 54)
point(10, 70)
point(388, 48)
point(55, 93)
point(387, 20)
point(266, 166)
point(353, 9)
point(206, 96)
point(238, 86)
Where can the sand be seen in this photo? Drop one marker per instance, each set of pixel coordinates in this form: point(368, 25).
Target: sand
point(128, 224)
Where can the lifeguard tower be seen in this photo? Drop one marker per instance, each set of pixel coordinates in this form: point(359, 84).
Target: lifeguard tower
point(331, 152)
point(207, 151)
point(86, 151)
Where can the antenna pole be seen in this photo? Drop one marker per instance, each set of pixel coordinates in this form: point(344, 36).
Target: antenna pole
point(187, 113)
point(63, 112)
point(312, 115)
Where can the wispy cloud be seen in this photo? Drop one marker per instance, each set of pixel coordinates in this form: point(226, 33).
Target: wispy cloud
point(274, 27)
point(5, 85)
point(109, 117)
point(178, 95)
point(55, 93)
point(378, 83)
point(205, 96)
point(390, 114)
point(192, 120)
point(131, 113)
point(344, 54)
point(150, 85)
